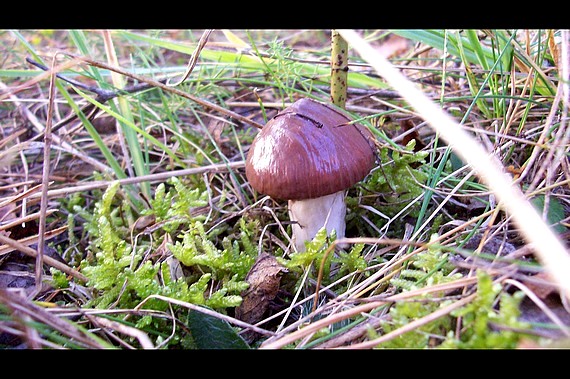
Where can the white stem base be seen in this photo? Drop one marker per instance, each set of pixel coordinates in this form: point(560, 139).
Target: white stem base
point(312, 214)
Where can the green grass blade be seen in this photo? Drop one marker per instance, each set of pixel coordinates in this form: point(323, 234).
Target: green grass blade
point(131, 125)
point(475, 44)
point(15, 74)
point(96, 137)
point(135, 151)
point(26, 45)
point(112, 162)
point(252, 63)
point(80, 41)
point(474, 86)
point(436, 39)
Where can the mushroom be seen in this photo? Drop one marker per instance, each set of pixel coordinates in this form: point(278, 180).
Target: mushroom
point(310, 154)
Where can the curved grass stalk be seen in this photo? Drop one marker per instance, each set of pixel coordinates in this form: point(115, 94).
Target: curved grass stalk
point(134, 151)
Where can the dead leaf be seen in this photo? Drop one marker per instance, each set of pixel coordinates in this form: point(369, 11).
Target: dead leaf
point(143, 222)
point(491, 245)
point(105, 124)
point(264, 279)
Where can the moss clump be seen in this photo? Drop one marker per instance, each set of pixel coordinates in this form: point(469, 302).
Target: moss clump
point(124, 273)
point(489, 321)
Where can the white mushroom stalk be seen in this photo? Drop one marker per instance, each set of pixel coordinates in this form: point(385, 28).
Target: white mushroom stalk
point(310, 154)
point(310, 215)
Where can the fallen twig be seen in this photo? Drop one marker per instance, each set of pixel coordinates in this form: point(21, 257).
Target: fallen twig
point(47, 260)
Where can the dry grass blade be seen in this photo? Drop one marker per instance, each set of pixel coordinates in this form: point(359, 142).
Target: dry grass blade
point(197, 308)
point(24, 195)
point(142, 337)
point(166, 88)
point(414, 324)
point(354, 240)
point(23, 220)
point(18, 304)
point(193, 58)
point(540, 304)
point(40, 127)
point(281, 341)
point(30, 240)
point(86, 186)
point(550, 250)
point(130, 174)
point(48, 74)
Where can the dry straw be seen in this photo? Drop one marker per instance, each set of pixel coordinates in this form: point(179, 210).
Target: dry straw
point(549, 249)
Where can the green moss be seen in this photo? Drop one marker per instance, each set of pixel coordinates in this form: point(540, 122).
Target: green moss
point(196, 249)
point(173, 208)
point(398, 181)
point(486, 326)
point(311, 259)
point(389, 189)
point(489, 321)
point(59, 279)
point(314, 252)
point(122, 275)
point(351, 261)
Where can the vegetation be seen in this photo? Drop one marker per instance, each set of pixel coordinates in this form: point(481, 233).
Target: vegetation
point(127, 222)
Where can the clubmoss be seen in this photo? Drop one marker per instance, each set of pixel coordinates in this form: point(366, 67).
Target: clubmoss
point(398, 181)
point(484, 325)
point(395, 184)
point(312, 257)
point(489, 321)
point(122, 273)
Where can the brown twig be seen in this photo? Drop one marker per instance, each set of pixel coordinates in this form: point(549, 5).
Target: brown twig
point(194, 57)
point(45, 183)
point(47, 260)
point(86, 186)
point(159, 84)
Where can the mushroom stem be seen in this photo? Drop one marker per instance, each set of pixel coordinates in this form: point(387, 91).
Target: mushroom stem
point(310, 215)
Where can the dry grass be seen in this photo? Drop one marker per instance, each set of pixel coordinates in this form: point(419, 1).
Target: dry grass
point(504, 209)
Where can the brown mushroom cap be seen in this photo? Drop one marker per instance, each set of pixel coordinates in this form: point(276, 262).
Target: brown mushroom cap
point(308, 151)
